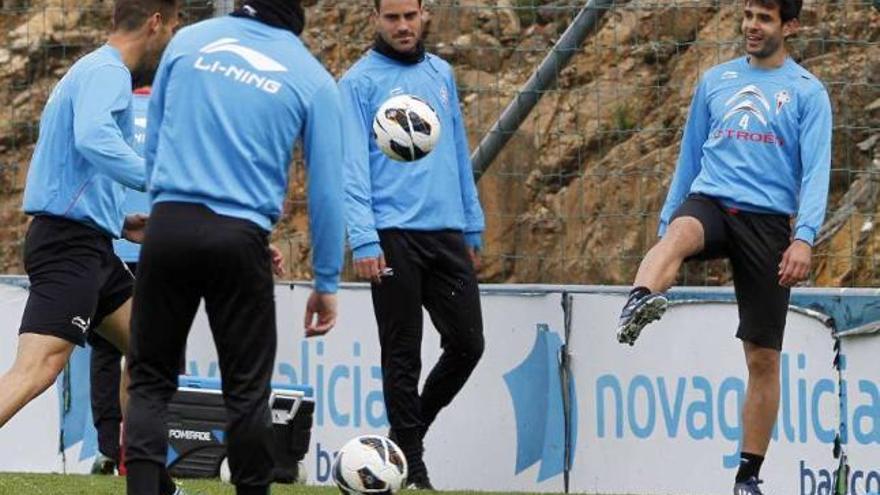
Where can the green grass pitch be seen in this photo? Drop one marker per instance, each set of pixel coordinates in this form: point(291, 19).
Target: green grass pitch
point(57, 484)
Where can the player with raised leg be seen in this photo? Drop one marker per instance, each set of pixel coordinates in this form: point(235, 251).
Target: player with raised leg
point(755, 159)
point(74, 192)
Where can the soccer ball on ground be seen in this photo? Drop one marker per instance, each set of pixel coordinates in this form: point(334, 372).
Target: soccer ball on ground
point(406, 128)
point(369, 464)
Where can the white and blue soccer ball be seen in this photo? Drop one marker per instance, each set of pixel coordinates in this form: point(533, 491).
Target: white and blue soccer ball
point(406, 128)
point(369, 464)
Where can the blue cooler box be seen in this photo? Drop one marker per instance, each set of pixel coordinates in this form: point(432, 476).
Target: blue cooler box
point(197, 419)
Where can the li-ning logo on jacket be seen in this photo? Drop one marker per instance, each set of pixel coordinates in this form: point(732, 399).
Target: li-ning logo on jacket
point(258, 61)
point(748, 101)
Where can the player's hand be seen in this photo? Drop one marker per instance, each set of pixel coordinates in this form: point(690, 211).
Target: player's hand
point(370, 268)
point(135, 228)
point(795, 265)
point(277, 260)
point(475, 257)
point(320, 314)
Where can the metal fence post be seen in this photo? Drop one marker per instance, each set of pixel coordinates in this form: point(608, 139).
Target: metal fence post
point(546, 74)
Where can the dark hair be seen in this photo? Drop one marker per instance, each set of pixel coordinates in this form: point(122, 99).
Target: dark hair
point(378, 3)
point(129, 15)
point(788, 9)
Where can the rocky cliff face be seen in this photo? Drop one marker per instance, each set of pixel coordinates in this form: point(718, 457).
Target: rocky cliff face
point(574, 197)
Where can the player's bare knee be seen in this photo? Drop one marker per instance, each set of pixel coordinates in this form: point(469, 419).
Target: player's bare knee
point(762, 362)
point(684, 236)
point(38, 372)
point(33, 360)
point(52, 365)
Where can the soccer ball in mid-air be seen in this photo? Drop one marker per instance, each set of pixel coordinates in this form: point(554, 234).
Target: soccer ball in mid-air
point(406, 128)
point(369, 464)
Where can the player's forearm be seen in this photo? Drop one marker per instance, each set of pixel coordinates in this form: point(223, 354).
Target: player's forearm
point(815, 141)
point(678, 191)
point(360, 222)
point(327, 224)
point(812, 211)
point(115, 159)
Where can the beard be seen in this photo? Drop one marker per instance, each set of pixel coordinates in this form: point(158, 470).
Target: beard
point(142, 76)
point(768, 48)
point(395, 44)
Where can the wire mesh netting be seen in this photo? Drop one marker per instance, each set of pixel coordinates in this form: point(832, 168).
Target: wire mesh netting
point(575, 195)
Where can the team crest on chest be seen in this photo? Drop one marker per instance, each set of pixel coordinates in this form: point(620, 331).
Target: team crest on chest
point(782, 98)
point(444, 96)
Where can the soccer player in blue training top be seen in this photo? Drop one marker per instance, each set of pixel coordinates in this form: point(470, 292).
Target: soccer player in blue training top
point(231, 97)
point(105, 359)
point(415, 228)
point(74, 191)
point(755, 159)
